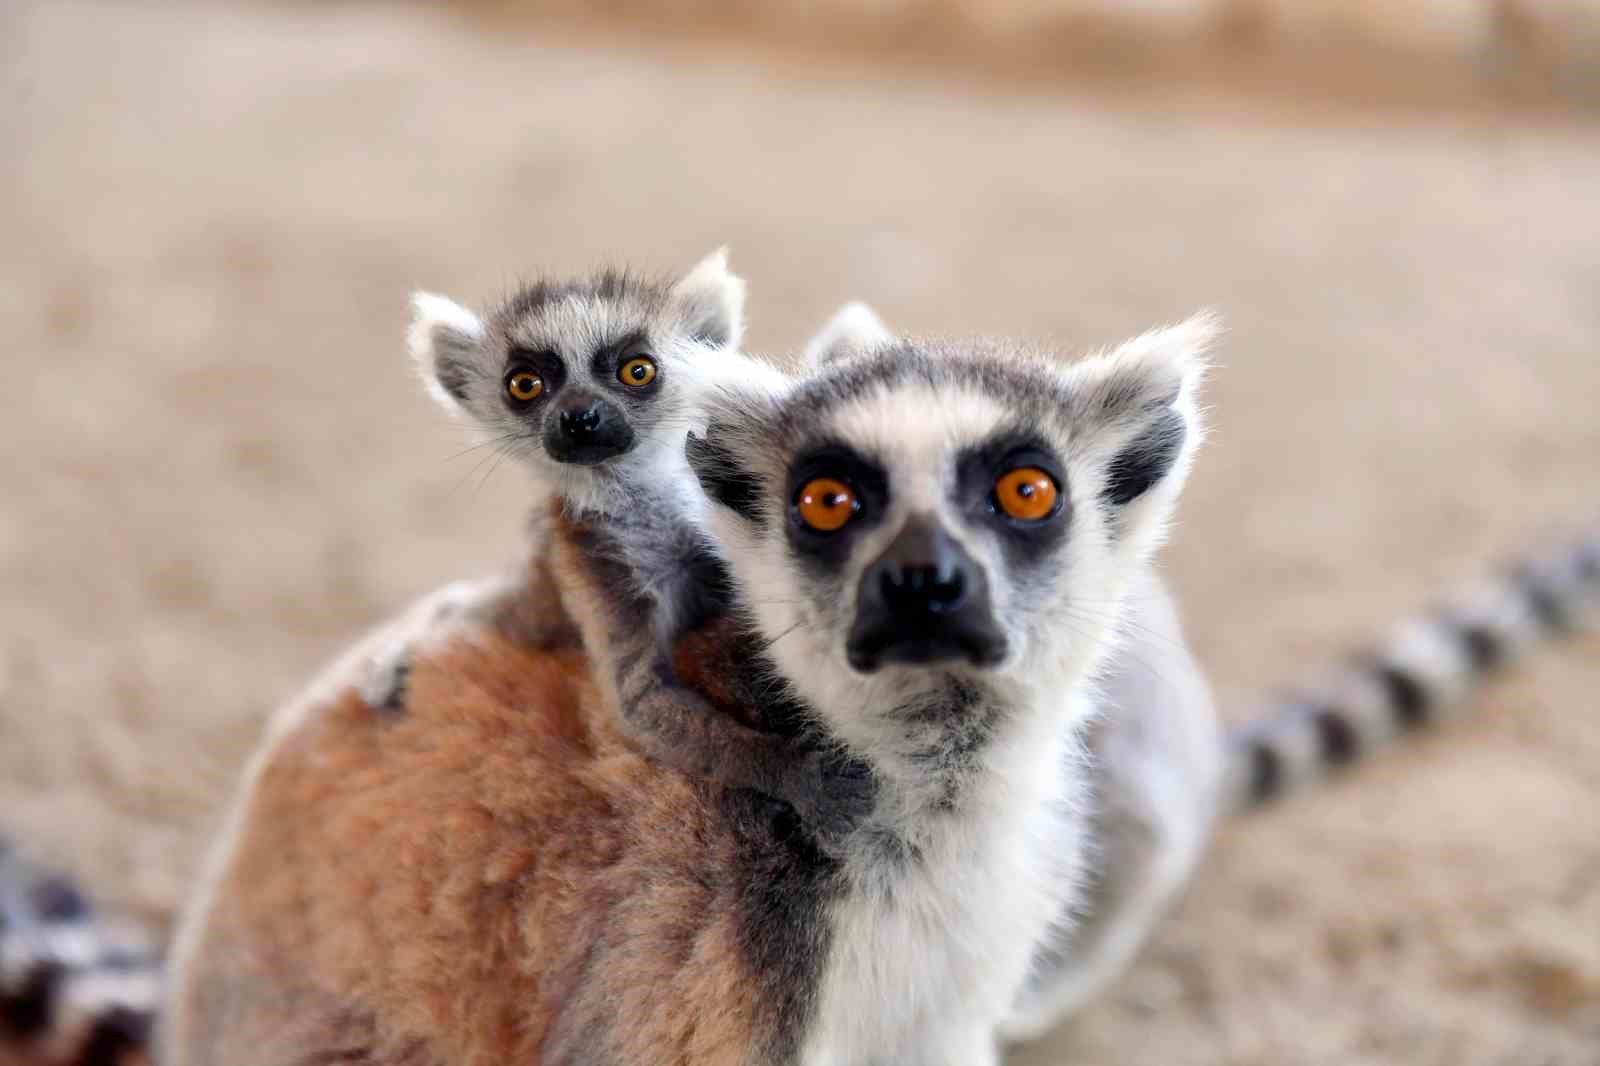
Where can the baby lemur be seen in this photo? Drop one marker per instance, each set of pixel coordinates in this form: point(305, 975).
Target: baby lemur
point(594, 383)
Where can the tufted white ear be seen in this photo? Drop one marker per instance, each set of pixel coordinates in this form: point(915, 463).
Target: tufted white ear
point(1137, 407)
point(1161, 364)
point(854, 329)
point(711, 301)
point(446, 341)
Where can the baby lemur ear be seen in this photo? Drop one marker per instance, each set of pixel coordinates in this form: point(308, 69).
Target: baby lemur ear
point(1139, 403)
point(446, 340)
point(854, 329)
point(711, 301)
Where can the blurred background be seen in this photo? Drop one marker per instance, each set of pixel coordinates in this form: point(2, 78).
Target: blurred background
point(218, 469)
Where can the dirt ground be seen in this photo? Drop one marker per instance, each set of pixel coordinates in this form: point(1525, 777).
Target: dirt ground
point(218, 468)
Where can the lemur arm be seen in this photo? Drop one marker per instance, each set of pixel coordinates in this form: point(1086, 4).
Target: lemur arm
point(630, 635)
point(679, 728)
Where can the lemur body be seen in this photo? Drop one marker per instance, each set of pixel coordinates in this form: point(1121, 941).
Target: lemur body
point(1155, 756)
point(1154, 761)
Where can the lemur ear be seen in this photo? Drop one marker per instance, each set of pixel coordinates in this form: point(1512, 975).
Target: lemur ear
point(854, 329)
point(1140, 403)
point(445, 339)
point(712, 301)
point(722, 476)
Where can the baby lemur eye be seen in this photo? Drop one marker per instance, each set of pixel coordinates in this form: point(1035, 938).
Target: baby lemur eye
point(1027, 493)
point(826, 504)
point(524, 386)
point(638, 371)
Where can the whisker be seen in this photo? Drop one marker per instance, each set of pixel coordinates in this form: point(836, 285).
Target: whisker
point(488, 443)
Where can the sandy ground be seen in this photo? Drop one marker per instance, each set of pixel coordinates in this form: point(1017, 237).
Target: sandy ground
point(218, 469)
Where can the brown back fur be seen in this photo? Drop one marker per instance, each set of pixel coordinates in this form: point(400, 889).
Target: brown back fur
point(475, 879)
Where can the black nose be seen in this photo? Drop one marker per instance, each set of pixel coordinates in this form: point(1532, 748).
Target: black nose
point(580, 423)
point(924, 600)
point(936, 586)
point(587, 430)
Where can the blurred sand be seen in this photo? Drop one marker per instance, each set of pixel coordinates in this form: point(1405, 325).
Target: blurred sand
point(220, 470)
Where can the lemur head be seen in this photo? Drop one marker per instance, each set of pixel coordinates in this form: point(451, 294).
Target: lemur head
point(589, 380)
point(915, 515)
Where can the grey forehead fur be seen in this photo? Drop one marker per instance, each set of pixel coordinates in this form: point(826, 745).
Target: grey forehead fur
point(700, 315)
point(1022, 380)
point(1031, 387)
point(986, 367)
point(633, 295)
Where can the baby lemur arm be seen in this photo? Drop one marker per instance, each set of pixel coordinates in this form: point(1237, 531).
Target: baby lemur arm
point(630, 637)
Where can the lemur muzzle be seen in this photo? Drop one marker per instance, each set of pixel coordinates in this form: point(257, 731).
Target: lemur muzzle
point(924, 600)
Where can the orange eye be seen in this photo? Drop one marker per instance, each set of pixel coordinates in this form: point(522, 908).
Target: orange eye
point(1026, 493)
point(638, 371)
point(524, 385)
point(826, 505)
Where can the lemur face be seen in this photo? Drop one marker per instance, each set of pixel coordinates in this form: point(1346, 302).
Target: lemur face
point(937, 510)
point(589, 380)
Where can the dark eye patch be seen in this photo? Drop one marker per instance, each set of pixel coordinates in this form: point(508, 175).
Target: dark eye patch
point(866, 480)
point(607, 361)
point(546, 364)
point(980, 466)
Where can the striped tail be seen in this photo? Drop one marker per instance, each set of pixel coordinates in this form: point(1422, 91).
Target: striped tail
point(76, 988)
point(1423, 673)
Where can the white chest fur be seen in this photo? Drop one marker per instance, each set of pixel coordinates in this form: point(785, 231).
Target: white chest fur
point(929, 949)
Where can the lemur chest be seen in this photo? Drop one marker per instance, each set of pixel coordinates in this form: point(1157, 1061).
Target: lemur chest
point(932, 944)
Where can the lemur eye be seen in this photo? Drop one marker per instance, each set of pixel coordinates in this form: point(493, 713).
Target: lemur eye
point(826, 505)
point(524, 386)
point(1027, 493)
point(638, 371)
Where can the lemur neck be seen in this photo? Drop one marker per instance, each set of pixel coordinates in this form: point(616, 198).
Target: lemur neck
point(970, 744)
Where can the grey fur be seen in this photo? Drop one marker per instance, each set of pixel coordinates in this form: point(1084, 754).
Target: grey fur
point(1156, 761)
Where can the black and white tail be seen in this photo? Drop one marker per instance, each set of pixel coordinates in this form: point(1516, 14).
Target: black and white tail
point(1422, 673)
point(76, 988)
